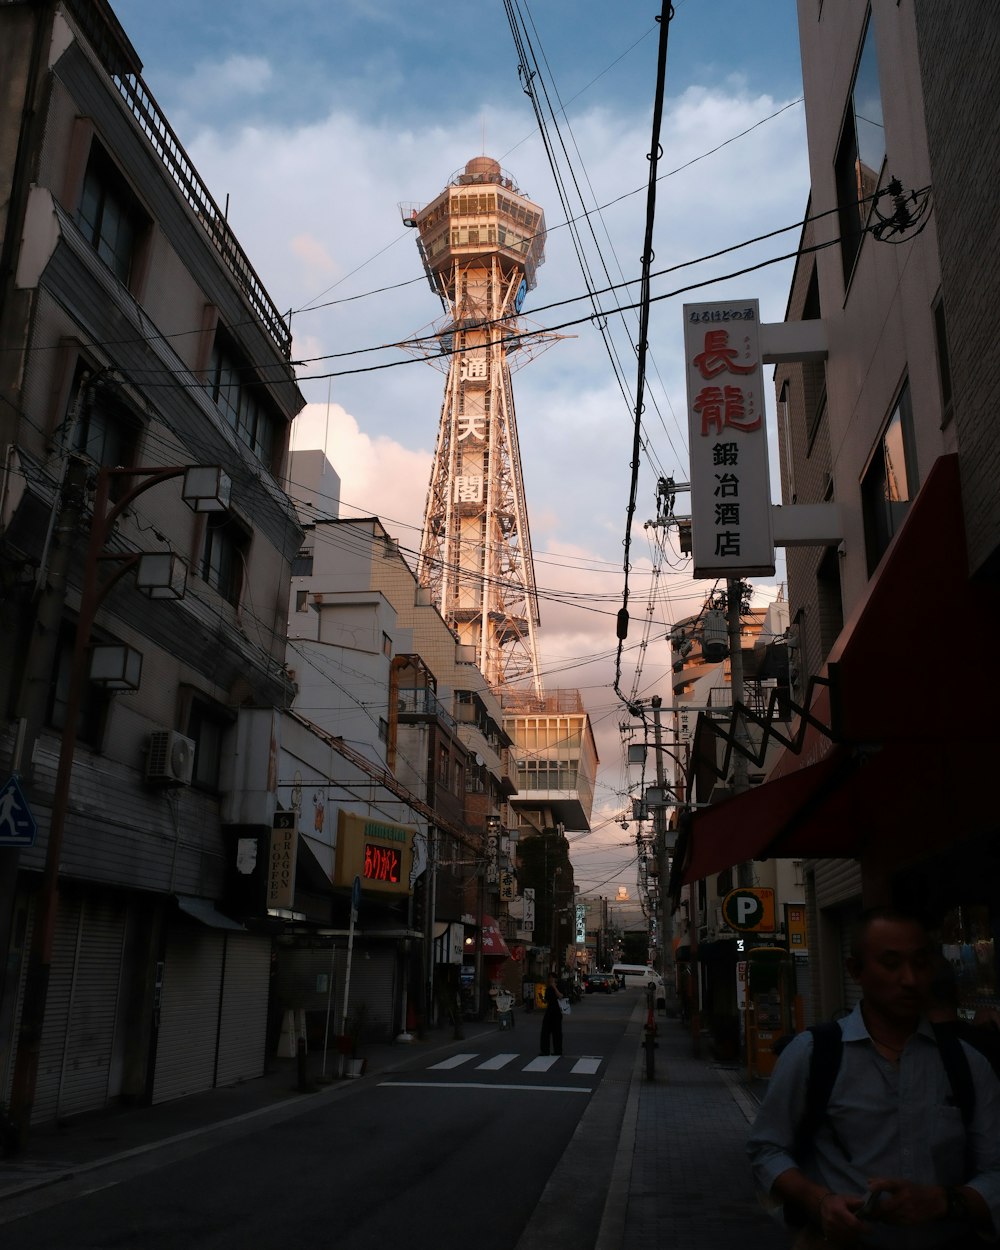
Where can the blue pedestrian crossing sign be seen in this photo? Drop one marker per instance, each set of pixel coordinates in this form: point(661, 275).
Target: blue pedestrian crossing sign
point(17, 824)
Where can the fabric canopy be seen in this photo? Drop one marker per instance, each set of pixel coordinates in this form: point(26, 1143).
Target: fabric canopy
point(901, 768)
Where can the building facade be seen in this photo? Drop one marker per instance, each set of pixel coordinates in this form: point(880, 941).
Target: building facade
point(877, 790)
point(136, 343)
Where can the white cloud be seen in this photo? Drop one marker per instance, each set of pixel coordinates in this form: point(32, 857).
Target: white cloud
point(316, 208)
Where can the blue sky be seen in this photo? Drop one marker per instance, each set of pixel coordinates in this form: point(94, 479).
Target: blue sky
point(317, 120)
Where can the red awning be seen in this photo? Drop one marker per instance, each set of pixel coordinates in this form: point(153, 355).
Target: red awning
point(912, 735)
point(493, 945)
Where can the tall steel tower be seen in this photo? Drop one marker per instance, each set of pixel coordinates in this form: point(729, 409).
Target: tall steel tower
point(481, 241)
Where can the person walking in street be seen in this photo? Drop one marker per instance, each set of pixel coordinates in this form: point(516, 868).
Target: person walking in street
point(552, 1019)
point(892, 1139)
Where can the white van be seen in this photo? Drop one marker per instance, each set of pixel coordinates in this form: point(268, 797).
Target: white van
point(638, 974)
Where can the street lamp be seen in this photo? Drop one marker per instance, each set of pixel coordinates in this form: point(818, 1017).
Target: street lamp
point(206, 489)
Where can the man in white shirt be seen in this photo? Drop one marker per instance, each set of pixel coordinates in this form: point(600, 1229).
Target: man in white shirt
point(893, 1132)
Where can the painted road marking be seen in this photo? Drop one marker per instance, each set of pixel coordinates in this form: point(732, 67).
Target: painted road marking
point(496, 1063)
point(587, 1066)
point(455, 1061)
point(542, 1063)
point(531, 1089)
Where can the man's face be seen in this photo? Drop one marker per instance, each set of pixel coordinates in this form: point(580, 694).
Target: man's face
point(895, 969)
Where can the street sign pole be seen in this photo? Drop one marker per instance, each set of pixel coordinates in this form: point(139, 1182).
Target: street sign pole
point(355, 903)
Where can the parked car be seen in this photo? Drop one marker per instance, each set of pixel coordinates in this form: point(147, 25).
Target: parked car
point(601, 983)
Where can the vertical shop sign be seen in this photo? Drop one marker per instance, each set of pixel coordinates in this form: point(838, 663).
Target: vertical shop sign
point(730, 487)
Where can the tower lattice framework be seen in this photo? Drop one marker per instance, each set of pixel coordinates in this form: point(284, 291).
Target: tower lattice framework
point(481, 242)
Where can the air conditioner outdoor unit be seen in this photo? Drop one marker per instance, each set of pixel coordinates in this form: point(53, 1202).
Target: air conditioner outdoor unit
point(169, 759)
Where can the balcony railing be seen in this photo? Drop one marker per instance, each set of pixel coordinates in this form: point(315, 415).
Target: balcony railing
point(140, 103)
point(422, 701)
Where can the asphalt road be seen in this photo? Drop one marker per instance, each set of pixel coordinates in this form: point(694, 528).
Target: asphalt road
point(484, 1144)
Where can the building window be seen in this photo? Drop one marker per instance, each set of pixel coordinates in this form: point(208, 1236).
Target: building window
point(242, 400)
point(383, 729)
point(109, 214)
point(860, 153)
point(387, 646)
point(94, 705)
point(442, 765)
point(207, 726)
point(302, 601)
point(889, 481)
point(302, 564)
point(226, 546)
point(104, 428)
point(944, 360)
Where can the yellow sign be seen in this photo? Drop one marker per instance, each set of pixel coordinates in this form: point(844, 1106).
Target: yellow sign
point(749, 909)
point(795, 926)
point(378, 852)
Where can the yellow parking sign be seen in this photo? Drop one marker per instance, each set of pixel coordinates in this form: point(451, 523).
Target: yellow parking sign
point(749, 910)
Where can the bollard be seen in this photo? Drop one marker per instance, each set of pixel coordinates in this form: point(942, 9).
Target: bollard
point(300, 1061)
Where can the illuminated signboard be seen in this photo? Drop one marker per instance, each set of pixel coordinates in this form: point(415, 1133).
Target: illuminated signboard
point(377, 851)
point(382, 863)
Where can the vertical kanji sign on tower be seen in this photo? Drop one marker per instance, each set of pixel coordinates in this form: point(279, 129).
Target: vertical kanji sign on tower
point(481, 241)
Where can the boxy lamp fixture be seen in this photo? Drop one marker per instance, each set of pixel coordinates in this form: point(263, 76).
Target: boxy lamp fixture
point(207, 488)
point(116, 666)
point(161, 575)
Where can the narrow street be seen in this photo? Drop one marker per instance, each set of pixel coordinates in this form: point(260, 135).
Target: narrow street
point(442, 1140)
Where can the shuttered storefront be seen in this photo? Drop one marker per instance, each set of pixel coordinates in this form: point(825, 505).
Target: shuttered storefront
point(213, 1010)
point(189, 1011)
point(243, 1018)
point(79, 1064)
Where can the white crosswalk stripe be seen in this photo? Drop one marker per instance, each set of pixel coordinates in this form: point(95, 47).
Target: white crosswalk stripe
point(455, 1061)
point(496, 1063)
point(580, 1065)
point(542, 1063)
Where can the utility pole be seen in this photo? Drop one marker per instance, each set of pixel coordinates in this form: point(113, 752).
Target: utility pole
point(662, 865)
point(734, 603)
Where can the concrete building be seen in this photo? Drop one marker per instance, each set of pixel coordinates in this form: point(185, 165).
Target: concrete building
point(378, 669)
point(136, 337)
point(880, 789)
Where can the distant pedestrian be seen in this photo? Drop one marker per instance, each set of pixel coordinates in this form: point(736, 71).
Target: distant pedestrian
point(552, 1019)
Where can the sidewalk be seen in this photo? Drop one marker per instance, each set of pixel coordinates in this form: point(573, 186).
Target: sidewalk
point(679, 1177)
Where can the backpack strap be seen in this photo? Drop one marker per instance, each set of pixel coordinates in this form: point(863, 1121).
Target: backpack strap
point(956, 1066)
point(824, 1064)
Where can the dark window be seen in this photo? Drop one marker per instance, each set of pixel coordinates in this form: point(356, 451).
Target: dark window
point(383, 729)
point(207, 726)
point(860, 153)
point(104, 427)
point(889, 481)
point(242, 400)
point(829, 599)
point(226, 545)
point(94, 705)
point(302, 601)
point(813, 371)
point(109, 214)
point(944, 360)
point(302, 564)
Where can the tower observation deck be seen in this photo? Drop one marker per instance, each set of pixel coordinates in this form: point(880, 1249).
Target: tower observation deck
point(481, 241)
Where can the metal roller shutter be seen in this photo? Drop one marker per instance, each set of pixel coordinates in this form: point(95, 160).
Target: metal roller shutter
point(57, 1008)
point(93, 1016)
point(189, 1012)
point(837, 881)
point(373, 983)
point(243, 1018)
